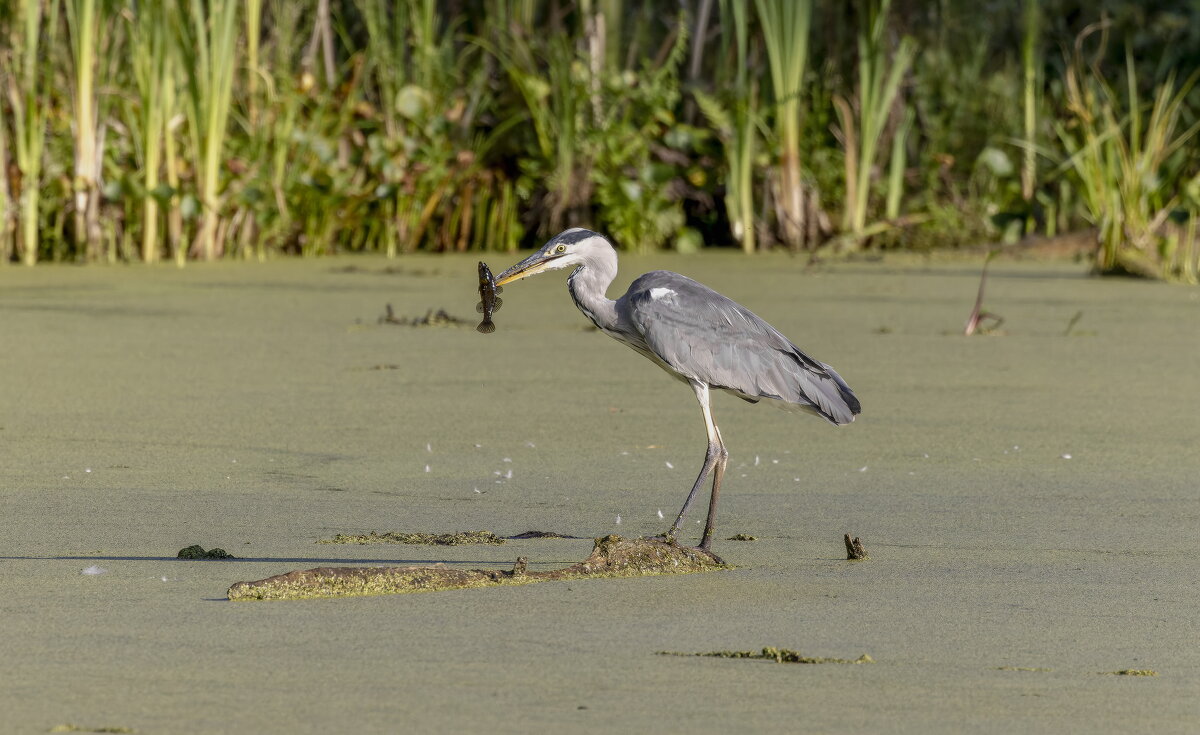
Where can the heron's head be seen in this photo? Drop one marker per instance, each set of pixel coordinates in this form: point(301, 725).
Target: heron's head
point(571, 248)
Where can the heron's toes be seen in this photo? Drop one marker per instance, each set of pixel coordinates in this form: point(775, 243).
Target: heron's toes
point(707, 549)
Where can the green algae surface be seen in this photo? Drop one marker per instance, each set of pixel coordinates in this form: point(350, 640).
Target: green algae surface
point(235, 402)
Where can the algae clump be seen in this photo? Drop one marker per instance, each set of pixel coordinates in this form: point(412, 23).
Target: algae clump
point(196, 551)
point(778, 655)
point(611, 556)
point(428, 539)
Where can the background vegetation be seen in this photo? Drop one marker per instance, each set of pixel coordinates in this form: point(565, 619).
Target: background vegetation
point(144, 130)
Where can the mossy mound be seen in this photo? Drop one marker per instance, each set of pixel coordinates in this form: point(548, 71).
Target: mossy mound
point(427, 539)
point(196, 551)
point(612, 556)
point(778, 655)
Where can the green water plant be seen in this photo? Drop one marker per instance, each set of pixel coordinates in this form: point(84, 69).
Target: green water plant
point(31, 26)
point(785, 26)
point(154, 64)
point(734, 116)
point(1134, 170)
point(207, 40)
point(863, 123)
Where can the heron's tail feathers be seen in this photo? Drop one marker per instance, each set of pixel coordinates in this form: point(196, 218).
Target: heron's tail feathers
point(818, 389)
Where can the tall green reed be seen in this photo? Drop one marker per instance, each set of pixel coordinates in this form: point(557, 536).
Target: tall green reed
point(154, 65)
point(28, 79)
point(734, 116)
point(785, 29)
point(84, 29)
point(879, 77)
point(1032, 78)
point(206, 34)
point(1133, 170)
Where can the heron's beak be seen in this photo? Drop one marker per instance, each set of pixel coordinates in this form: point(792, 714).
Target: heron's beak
point(531, 266)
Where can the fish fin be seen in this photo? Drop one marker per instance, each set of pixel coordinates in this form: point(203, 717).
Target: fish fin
point(486, 327)
point(499, 289)
point(479, 307)
point(498, 304)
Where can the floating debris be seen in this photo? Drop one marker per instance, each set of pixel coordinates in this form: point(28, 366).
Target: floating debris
point(540, 534)
point(461, 538)
point(69, 727)
point(976, 320)
point(612, 556)
point(197, 552)
point(432, 318)
point(1132, 672)
point(778, 655)
point(854, 549)
point(93, 570)
point(1021, 668)
point(742, 537)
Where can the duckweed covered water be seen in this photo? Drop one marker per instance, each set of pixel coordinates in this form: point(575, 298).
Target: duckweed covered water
point(235, 402)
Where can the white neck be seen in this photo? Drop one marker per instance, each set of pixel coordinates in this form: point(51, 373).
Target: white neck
point(588, 286)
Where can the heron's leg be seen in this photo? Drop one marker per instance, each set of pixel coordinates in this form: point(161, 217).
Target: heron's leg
point(718, 473)
point(711, 456)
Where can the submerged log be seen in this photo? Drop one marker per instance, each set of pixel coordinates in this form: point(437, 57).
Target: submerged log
point(612, 556)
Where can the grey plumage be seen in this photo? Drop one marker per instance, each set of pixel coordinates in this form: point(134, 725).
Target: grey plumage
point(698, 336)
point(739, 352)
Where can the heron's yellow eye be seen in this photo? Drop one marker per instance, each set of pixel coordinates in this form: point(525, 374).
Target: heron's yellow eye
point(560, 249)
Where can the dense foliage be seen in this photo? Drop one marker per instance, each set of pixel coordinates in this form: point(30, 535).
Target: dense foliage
point(134, 130)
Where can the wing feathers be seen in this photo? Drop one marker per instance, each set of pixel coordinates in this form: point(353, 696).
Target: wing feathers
point(703, 335)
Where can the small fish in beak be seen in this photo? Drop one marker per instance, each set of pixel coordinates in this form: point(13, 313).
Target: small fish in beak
point(489, 302)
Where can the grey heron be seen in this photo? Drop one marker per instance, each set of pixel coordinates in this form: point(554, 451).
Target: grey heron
point(699, 337)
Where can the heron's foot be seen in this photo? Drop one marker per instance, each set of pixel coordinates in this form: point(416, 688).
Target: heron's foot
point(668, 536)
point(707, 550)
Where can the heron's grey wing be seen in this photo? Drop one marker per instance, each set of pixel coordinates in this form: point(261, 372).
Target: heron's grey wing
point(701, 334)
